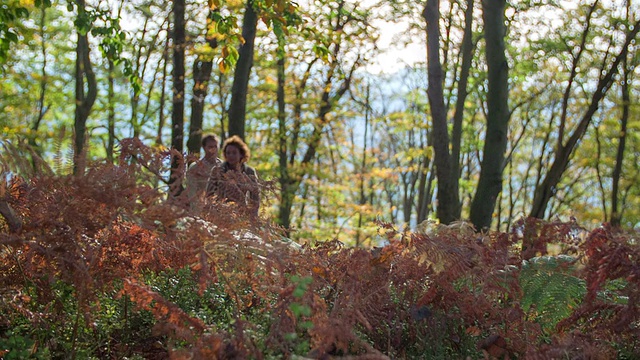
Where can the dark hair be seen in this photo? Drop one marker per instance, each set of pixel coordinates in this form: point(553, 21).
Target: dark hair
point(208, 138)
point(236, 141)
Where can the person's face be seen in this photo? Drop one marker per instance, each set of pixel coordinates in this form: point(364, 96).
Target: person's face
point(210, 149)
point(233, 155)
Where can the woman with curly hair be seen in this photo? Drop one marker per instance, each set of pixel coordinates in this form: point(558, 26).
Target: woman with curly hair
point(235, 181)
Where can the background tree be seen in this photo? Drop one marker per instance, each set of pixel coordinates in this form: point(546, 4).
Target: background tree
point(448, 202)
point(341, 51)
point(237, 108)
point(629, 64)
point(564, 150)
point(202, 67)
point(450, 58)
point(84, 75)
point(625, 92)
point(178, 79)
point(495, 139)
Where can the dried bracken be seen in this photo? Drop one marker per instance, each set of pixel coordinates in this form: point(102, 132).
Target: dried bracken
point(216, 283)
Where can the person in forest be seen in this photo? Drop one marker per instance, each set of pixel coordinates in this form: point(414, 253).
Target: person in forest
point(235, 181)
point(199, 173)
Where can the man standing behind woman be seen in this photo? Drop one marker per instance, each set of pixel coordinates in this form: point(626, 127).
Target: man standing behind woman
point(199, 173)
point(234, 180)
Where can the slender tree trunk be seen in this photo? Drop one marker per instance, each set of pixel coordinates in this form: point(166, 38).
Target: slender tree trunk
point(616, 212)
point(84, 102)
point(141, 71)
point(201, 75)
point(238, 106)
point(363, 167)
point(111, 112)
point(177, 113)
point(287, 194)
point(330, 95)
point(163, 86)
point(448, 200)
point(302, 213)
point(495, 141)
point(42, 108)
point(461, 98)
point(426, 189)
point(408, 181)
point(326, 105)
point(289, 184)
point(545, 191)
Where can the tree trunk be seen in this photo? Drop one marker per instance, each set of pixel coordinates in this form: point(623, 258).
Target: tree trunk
point(111, 113)
point(238, 106)
point(10, 217)
point(163, 86)
point(616, 212)
point(448, 200)
point(84, 102)
point(288, 184)
point(331, 93)
point(546, 189)
point(284, 213)
point(363, 167)
point(495, 141)
point(201, 76)
point(42, 108)
point(425, 192)
point(326, 105)
point(177, 114)
point(467, 57)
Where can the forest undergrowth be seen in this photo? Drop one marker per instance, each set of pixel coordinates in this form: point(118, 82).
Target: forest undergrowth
point(104, 267)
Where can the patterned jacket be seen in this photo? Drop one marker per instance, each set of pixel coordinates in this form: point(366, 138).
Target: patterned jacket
point(240, 187)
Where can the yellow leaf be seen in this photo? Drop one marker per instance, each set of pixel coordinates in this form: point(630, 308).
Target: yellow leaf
point(222, 66)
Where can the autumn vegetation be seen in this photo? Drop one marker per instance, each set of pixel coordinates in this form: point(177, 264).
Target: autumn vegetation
point(104, 267)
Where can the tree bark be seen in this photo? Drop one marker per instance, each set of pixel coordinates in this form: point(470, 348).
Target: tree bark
point(42, 108)
point(84, 102)
point(238, 106)
point(448, 207)
point(163, 86)
point(12, 220)
point(495, 140)
point(111, 112)
point(177, 113)
point(284, 215)
point(288, 151)
point(462, 92)
point(201, 76)
point(616, 212)
point(363, 167)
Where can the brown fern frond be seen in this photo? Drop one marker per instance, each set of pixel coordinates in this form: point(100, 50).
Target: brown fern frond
point(175, 322)
point(612, 272)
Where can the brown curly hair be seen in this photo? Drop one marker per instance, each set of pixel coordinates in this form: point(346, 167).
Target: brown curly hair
point(236, 141)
